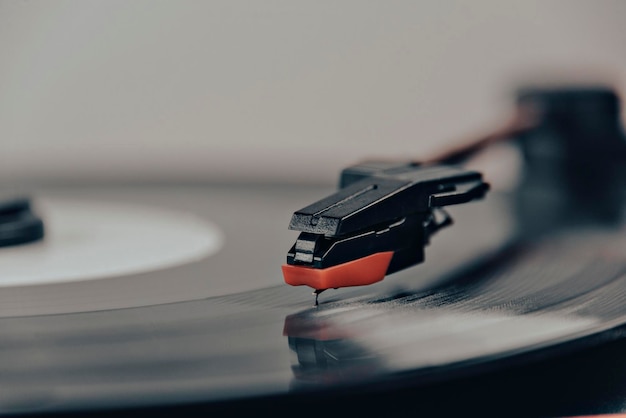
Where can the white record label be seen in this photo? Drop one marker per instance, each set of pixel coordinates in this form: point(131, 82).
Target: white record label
point(88, 240)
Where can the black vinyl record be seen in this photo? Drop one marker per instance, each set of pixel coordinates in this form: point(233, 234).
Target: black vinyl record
point(487, 322)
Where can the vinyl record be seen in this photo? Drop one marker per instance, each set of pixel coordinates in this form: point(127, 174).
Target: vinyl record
point(214, 325)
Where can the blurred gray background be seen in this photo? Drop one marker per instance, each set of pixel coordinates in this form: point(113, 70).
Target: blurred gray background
point(287, 91)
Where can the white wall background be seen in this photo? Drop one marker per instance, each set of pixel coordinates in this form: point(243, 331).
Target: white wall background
point(273, 90)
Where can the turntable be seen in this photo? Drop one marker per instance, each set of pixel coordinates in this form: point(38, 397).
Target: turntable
point(170, 300)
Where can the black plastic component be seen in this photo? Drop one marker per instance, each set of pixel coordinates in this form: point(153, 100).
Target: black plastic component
point(575, 158)
point(18, 223)
point(381, 207)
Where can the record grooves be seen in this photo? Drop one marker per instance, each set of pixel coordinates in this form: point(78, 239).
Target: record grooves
point(270, 347)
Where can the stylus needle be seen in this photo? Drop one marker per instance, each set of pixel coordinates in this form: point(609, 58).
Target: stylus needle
point(317, 294)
